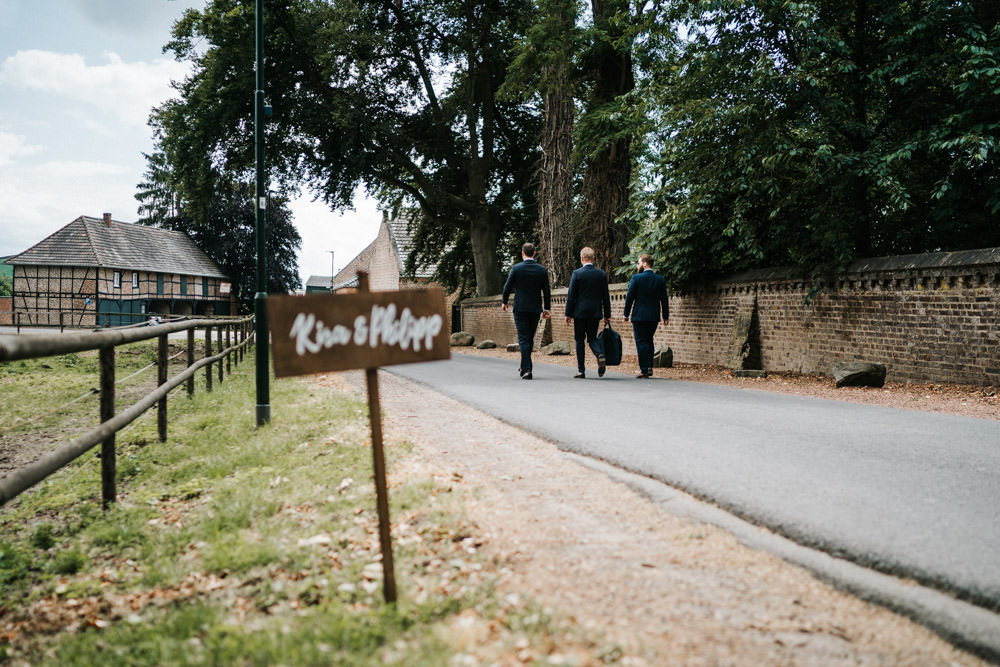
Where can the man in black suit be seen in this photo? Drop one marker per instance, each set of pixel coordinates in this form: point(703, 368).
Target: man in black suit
point(647, 292)
point(529, 280)
point(586, 302)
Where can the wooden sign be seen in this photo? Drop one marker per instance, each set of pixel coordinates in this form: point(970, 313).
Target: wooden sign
point(319, 333)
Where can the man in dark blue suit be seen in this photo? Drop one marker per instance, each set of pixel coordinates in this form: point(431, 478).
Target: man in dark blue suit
point(647, 293)
point(586, 302)
point(529, 281)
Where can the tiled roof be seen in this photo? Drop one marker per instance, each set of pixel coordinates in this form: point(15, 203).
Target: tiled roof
point(402, 237)
point(91, 242)
point(318, 281)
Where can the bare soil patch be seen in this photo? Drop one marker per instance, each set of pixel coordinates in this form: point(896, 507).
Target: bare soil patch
point(656, 588)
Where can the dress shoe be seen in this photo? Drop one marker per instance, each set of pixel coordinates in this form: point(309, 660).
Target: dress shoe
point(580, 376)
point(644, 376)
point(526, 376)
point(600, 366)
point(520, 371)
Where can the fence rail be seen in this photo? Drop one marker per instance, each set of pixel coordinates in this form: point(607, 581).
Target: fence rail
point(14, 348)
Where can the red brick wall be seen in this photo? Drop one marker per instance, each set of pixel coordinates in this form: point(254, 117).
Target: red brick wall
point(934, 318)
point(6, 306)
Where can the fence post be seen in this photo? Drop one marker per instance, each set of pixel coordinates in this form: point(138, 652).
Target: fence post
point(161, 379)
point(229, 355)
point(107, 361)
point(17, 320)
point(243, 337)
point(219, 347)
point(190, 359)
point(208, 353)
point(61, 327)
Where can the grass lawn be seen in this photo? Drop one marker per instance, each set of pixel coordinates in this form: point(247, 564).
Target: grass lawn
point(237, 545)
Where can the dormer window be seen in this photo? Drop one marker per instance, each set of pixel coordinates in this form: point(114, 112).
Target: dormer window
point(116, 279)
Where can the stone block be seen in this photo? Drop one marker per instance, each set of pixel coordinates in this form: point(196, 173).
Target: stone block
point(859, 374)
point(663, 357)
point(485, 345)
point(462, 339)
point(556, 348)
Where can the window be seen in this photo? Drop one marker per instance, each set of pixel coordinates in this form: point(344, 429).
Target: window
point(116, 279)
point(204, 286)
point(184, 285)
point(135, 280)
point(159, 283)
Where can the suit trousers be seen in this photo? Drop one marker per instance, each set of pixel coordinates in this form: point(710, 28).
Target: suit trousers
point(586, 329)
point(643, 332)
point(526, 325)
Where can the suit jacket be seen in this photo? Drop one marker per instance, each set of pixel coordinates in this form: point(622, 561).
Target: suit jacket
point(588, 296)
point(529, 281)
point(647, 293)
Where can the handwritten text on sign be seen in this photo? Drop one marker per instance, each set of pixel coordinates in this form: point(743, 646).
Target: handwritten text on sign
point(320, 332)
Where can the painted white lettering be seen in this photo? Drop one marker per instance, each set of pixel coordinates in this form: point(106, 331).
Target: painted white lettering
point(405, 331)
point(360, 330)
point(381, 328)
point(301, 328)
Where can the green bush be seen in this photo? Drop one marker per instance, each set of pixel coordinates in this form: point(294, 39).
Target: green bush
point(13, 564)
point(68, 561)
point(43, 537)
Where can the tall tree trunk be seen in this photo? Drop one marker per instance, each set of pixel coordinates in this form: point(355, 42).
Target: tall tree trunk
point(605, 196)
point(608, 173)
point(557, 245)
point(484, 236)
point(555, 187)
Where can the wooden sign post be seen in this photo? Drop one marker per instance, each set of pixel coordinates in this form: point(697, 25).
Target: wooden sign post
point(320, 333)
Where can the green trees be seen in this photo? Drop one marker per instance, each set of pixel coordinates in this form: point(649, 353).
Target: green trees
point(397, 96)
point(226, 230)
point(810, 133)
point(749, 133)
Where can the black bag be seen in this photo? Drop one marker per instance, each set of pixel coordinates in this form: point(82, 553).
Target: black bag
point(612, 344)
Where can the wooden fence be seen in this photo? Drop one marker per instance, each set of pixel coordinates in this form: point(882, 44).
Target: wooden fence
point(235, 334)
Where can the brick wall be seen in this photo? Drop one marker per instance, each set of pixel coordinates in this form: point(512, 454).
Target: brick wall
point(6, 306)
point(933, 317)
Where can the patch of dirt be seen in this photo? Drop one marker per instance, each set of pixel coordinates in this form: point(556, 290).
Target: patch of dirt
point(665, 590)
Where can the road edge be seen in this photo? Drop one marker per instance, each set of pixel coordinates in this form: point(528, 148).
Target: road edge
point(964, 625)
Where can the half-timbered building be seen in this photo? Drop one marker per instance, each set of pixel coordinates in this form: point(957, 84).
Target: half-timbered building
point(102, 272)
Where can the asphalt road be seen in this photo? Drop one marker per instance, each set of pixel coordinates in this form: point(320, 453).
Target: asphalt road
point(907, 493)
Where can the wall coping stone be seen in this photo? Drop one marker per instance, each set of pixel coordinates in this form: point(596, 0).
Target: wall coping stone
point(983, 257)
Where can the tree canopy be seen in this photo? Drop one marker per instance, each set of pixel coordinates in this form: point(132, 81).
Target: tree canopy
point(396, 96)
point(811, 133)
point(226, 231)
point(748, 133)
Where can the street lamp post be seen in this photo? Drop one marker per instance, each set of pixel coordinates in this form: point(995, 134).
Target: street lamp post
point(333, 271)
point(260, 219)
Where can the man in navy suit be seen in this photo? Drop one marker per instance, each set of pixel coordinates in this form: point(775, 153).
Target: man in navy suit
point(529, 281)
point(586, 302)
point(647, 292)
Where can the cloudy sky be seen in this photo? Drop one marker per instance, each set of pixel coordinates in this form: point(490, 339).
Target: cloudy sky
point(77, 81)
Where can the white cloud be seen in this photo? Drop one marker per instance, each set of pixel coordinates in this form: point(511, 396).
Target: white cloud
point(40, 199)
point(323, 230)
point(126, 90)
point(14, 146)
